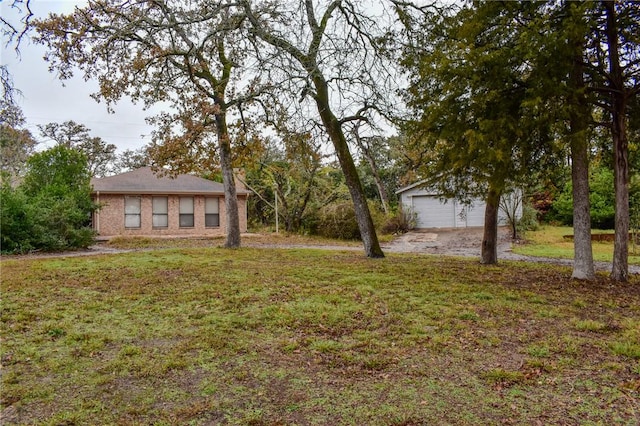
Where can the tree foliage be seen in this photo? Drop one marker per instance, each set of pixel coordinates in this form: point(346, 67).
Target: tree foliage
point(13, 33)
point(131, 159)
point(480, 124)
point(289, 169)
point(101, 156)
point(16, 143)
point(601, 197)
point(51, 210)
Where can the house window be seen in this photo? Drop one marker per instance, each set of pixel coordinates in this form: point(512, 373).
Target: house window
point(160, 212)
point(132, 212)
point(186, 212)
point(211, 212)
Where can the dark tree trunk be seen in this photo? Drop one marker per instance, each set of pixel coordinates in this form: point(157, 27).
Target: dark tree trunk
point(620, 269)
point(489, 255)
point(228, 180)
point(334, 129)
point(583, 268)
point(384, 198)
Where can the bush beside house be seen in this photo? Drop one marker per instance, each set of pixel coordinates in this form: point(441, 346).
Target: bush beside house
point(50, 210)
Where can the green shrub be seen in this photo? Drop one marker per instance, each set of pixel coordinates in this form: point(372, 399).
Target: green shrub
point(52, 209)
point(338, 220)
point(16, 218)
point(528, 221)
point(601, 198)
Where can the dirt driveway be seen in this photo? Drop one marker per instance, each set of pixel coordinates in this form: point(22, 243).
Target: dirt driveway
point(468, 242)
point(447, 241)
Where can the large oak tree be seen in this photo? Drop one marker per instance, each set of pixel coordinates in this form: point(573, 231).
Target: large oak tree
point(190, 55)
point(330, 57)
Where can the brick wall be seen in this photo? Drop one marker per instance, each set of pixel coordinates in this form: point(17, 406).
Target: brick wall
point(109, 220)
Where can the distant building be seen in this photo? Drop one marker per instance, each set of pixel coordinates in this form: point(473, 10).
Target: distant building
point(432, 210)
point(142, 203)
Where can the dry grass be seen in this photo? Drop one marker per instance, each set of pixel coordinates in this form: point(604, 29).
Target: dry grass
point(202, 335)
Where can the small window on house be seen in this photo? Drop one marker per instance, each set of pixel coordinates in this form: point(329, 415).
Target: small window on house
point(132, 212)
point(186, 212)
point(211, 212)
point(160, 212)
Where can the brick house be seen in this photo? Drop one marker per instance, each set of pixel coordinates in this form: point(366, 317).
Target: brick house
point(141, 203)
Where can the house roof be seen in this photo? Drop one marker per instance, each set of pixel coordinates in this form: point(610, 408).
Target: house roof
point(144, 181)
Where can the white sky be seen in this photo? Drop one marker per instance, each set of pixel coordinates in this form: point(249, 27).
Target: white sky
point(45, 100)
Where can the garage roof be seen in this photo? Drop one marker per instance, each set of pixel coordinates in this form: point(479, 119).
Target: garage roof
point(420, 184)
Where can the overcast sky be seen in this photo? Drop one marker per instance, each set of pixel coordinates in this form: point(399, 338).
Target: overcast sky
point(45, 100)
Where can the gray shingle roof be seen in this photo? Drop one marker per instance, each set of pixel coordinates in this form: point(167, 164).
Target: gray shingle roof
point(144, 181)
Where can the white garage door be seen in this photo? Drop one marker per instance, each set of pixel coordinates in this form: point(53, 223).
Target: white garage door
point(475, 214)
point(432, 213)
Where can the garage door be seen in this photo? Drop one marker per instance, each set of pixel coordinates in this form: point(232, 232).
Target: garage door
point(432, 213)
point(475, 214)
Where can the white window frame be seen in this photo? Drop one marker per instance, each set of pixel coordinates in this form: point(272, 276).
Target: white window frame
point(212, 212)
point(132, 212)
point(160, 209)
point(187, 206)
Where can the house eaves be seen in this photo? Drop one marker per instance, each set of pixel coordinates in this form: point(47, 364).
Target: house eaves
point(144, 181)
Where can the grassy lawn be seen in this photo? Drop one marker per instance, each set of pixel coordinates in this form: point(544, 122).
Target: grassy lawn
point(549, 241)
point(260, 336)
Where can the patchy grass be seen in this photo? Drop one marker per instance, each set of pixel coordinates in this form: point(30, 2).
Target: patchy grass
point(249, 240)
point(205, 335)
point(548, 241)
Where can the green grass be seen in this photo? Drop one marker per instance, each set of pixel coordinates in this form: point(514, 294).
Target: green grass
point(308, 336)
point(549, 241)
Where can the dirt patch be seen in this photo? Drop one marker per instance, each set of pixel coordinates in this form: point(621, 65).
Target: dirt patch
point(467, 242)
point(447, 241)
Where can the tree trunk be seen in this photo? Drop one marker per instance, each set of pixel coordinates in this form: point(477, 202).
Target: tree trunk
point(579, 117)
point(334, 129)
point(384, 198)
point(228, 181)
point(620, 269)
point(583, 255)
point(309, 61)
point(489, 255)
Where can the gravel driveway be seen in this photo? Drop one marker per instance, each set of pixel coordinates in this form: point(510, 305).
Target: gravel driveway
point(467, 242)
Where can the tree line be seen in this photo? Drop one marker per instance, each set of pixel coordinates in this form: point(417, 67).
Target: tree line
point(485, 97)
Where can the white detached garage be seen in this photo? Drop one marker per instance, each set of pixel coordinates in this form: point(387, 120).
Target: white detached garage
point(432, 211)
